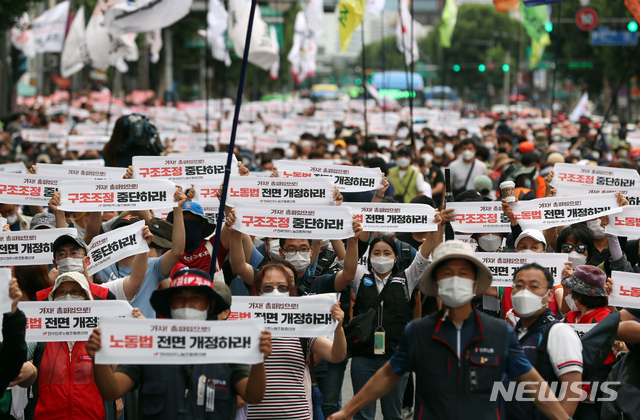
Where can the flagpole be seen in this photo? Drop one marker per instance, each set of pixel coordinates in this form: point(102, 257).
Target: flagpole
point(384, 103)
point(555, 66)
point(413, 143)
point(113, 70)
point(232, 141)
point(206, 74)
point(366, 123)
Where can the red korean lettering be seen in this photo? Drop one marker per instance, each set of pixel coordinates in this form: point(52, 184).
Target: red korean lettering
point(34, 323)
point(244, 315)
point(146, 341)
point(144, 172)
point(247, 220)
point(131, 341)
point(117, 344)
point(73, 197)
point(233, 316)
point(283, 222)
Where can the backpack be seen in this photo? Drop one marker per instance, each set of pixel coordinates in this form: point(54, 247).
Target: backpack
point(627, 403)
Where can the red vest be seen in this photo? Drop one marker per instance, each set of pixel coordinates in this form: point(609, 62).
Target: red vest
point(592, 317)
point(99, 292)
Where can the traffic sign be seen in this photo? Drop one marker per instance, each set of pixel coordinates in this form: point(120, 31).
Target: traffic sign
point(606, 37)
point(587, 19)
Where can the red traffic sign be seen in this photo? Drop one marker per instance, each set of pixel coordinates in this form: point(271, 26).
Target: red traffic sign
point(587, 19)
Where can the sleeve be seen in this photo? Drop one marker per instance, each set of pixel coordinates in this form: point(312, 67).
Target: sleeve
point(117, 288)
point(239, 371)
point(564, 349)
point(132, 371)
point(517, 362)
point(154, 267)
point(13, 351)
point(401, 359)
point(355, 283)
point(415, 270)
point(420, 182)
point(323, 284)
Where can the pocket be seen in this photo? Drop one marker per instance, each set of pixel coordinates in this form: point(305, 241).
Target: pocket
point(153, 397)
point(484, 371)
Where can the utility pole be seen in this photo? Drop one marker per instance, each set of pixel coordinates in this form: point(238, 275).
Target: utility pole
point(506, 79)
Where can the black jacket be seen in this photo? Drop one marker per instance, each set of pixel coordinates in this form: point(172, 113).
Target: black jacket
point(13, 350)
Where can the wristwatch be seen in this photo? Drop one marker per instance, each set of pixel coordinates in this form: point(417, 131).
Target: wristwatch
point(379, 195)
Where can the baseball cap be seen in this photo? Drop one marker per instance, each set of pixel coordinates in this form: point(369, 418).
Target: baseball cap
point(540, 139)
point(526, 147)
point(483, 183)
point(68, 238)
point(531, 233)
point(195, 208)
point(587, 280)
point(43, 221)
point(162, 232)
point(72, 276)
point(125, 220)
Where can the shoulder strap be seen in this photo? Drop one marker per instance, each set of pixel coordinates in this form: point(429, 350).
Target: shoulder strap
point(542, 349)
point(405, 254)
point(469, 174)
point(306, 283)
point(406, 188)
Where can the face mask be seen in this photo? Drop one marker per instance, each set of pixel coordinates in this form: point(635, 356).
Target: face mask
point(352, 148)
point(325, 242)
point(488, 145)
point(189, 314)
point(68, 298)
point(527, 251)
point(342, 152)
point(193, 229)
point(623, 154)
point(289, 153)
point(403, 162)
point(577, 259)
point(571, 303)
point(526, 303)
point(306, 143)
point(468, 155)
point(382, 264)
point(527, 183)
point(69, 265)
point(274, 248)
point(455, 291)
point(490, 242)
point(438, 151)
point(275, 293)
point(299, 260)
point(596, 229)
point(12, 219)
point(595, 155)
point(427, 157)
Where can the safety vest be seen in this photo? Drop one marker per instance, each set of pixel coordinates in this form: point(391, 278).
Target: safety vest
point(407, 184)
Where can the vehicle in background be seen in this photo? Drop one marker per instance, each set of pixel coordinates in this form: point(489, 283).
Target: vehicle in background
point(400, 86)
point(443, 97)
point(325, 92)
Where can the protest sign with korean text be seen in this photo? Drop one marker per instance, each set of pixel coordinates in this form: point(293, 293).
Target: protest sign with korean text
point(319, 222)
point(181, 169)
point(30, 247)
point(626, 223)
point(69, 320)
point(594, 176)
point(66, 171)
point(206, 194)
point(86, 142)
point(394, 217)
point(30, 190)
point(581, 329)
point(626, 290)
point(544, 213)
point(286, 316)
point(503, 265)
point(112, 246)
point(178, 342)
point(116, 195)
point(479, 217)
point(346, 178)
point(5, 300)
point(254, 190)
point(13, 168)
point(631, 194)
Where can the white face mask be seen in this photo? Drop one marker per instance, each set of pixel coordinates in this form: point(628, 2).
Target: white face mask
point(69, 297)
point(526, 303)
point(488, 145)
point(299, 260)
point(596, 228)
point(455, 291)
point(274, 248)
point(69, 265)
point(468, 155)
point(490, 242)
point(12, 219)
point(571, 303)
point(577, 259)
point(427, 157)
point(275, 293)
point(382, 265)
point(403, 162)
point(289, 153)
point(438, 151)
point(527, 251)
point(190, 314)
point(306, 143)
point(342, 152)
point(352, 148)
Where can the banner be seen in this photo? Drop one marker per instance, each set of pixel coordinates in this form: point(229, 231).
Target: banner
point(75, 53)
point(626, 223)
point(112, 246)
point(448, 23)
point(112, 195)
point(407, 30)
point(145, 15)
point(350, 14)
point(5, 300)
point(346, 178)
point(626, 290)
point(86, 142)
point(30, 247)
point(287, 316)
point(31, 190)
point(69, 320)
point(185, 169)
point(253, 190)
point(217, 24)
point(504, 5)
point(479, 217)
point(66, 171)
point(262, 52)
point(634, 8)
point(631, 194)
point(394, 217)
point(503, 265)
point(534, 20)
point(544, 213)
point(22, 36)
point(177, 342)
point(105, 49)
point(206, 194)
point(319, 222)
point(570, 175)
point(13, 168)
point(49, 28)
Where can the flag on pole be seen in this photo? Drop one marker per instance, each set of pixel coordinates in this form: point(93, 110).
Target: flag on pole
point(154, 41)
point(375, 7)
point(634, 8)
point(49, 28)
point(75, 53)
point(145, 15)
point(262, 52)
point(537, 50)
point(350, 14)
point(315, 18)
point(275, 68)
point(504, 5)
point(582, 109)
point(533, 20)
point(531, 3)
point(22, 37)
point(448, 23)
point(302, 55)
point(217, 19)
point(406, 34)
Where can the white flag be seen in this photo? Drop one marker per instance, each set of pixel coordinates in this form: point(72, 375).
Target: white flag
point(303, 51)
point(49, 28)
point(315, 17)
point(407, 31)
point(275, 68)
point(218, 22)
point(22, 37)
point(145, 15)
point(375, 7)
point(262, 52)
point(581, 109)
point(154, 41)
point(75, 53)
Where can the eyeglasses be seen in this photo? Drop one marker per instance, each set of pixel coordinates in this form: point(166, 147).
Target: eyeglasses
point(73, 292)
point(533, 288)
point(580, 249)
point(269, 288)
point(292, 251)
point(74, 253)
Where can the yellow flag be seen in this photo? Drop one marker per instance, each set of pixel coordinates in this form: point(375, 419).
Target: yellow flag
point(350, 14)
point(537, 49)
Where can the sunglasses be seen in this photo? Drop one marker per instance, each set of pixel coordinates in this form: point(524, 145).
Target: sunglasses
point(268, 288)
point(580, 249)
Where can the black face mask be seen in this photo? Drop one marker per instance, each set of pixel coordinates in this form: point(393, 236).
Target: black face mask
point(193, 230)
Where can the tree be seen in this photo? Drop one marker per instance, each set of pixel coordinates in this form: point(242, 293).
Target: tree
point(10, 10)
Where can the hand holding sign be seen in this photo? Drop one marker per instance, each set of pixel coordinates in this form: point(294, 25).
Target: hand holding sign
point(15, 294)
point(179, 197)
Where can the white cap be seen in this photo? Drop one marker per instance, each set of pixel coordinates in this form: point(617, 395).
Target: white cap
point(72, 276)
point(532, 233)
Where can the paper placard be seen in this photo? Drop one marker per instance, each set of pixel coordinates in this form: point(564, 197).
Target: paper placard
point(177, 342)
point(503, 265)
point(112, 246)
point(5, 300)
point(308, 316)
point(319, 222)
point(544, 213)
point(581, 329)
point(31, 190)
point(14, 168)
point(626, 223)
point(111, 195)
point(346, 178)
point(30, 247)
point(394, 217)
point(69, 320)
point(67, 171)
point(626, 290)
point(186, 168)
point(594, 176)
point(254, 190)
point(88, 163)
point(86, 142)
point(631, 194)
point(479, 217)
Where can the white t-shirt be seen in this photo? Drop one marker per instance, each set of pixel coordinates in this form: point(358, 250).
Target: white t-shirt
point(117, 288)
point(419, 178)
point(563, 347)
point(413, 274)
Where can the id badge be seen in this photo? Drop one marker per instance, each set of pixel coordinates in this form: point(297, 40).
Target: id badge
point(201, 385)
point(211, 396)
point(379, 342)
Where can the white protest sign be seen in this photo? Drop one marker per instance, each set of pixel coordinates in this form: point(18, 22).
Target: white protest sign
point(69, 320)
point(35, 135)
point(177, 169)
point(308, 316)
point(49, 28)
point(626, 290)
point(67, 171)
point(631, 194)
point(115, 245)
point(87, 163)
point(177, 342)
point(254, 190)
point(394, 217)
point(86, 142)
point(14, 168)
point(126, 194)
point(503, 265)
point(544, 213)
point(581, 329)
point(30, 247)
point(206, 194)
point(594, 176)
point(31, 190)
point(626, 223)
point(319, 222)
point(346, 178)
point(5, 300)
point(479, 217)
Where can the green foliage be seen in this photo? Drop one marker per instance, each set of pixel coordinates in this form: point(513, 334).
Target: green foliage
point(10, 10)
